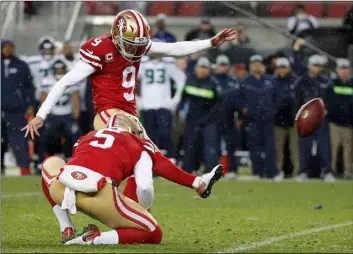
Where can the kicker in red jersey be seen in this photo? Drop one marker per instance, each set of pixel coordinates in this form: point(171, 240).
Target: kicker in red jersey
point(114, 81)
point(111, 153)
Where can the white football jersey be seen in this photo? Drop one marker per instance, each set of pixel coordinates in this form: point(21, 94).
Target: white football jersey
point(69, 64)
point(64, 106)
point(40, 69)
point(82, 85)
point(156, 77)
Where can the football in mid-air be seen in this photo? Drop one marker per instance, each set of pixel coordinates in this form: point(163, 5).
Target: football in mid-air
point(310, 117)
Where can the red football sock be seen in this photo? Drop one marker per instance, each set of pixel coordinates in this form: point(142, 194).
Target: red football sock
point(47, 193)
point(168, 170)
point(139, 236)
point(130, 189)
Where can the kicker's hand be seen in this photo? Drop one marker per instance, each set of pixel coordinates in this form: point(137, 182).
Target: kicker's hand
point(223, 36)
point(33, 126)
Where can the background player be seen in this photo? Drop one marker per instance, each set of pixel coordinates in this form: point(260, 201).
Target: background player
point(40, 64)
point(62, 122)
point(158, 105)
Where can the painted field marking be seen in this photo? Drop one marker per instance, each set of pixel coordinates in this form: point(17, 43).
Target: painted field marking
point(253, 245)
point(20, 195)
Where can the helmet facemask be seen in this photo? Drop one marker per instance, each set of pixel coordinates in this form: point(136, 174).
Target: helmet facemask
point(59, 70)
point(130, 50)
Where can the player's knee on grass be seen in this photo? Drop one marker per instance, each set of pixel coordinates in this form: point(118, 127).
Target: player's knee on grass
point(51, 168)
point(112, 209)
point(157, 235)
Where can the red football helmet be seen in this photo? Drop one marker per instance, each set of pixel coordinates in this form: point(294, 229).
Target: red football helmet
point(131, 34)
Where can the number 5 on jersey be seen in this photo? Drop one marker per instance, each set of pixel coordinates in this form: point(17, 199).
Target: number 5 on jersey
point(108, 139)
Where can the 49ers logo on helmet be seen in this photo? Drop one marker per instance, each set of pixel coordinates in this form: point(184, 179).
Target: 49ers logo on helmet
point(78, 175)
point(122, 24)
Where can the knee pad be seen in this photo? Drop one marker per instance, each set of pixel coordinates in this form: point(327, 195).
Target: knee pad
point(51, 168)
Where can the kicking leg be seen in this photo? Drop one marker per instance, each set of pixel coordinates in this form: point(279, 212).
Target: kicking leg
point(50, 169)
point(168, 170)
point(163, 166)
point(203, 185)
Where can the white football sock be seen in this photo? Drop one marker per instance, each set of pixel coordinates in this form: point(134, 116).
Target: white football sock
point(63, 218)
point(196, 182)
point(110, 237)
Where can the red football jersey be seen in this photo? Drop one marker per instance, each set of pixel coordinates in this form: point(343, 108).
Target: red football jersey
point(115, 78)
point(111, 153)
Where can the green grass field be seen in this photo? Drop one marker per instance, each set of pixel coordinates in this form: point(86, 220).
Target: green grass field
point(238, 217)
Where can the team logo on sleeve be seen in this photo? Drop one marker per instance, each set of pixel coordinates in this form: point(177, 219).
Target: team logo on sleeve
point(78, 175)
point(109, 58)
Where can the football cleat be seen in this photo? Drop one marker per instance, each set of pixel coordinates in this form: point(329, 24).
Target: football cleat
point(68, 234)
point(208, 180)
point(87, 236)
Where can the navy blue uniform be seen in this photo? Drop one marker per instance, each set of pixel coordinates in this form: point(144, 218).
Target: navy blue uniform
point(339, 102)
point(202, 97)
point(17, 95)
point(308, 89)
point(287, 108)
point(258, 97)
point(227, 127)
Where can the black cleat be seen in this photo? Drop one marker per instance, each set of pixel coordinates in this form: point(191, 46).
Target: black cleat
point(208, 180)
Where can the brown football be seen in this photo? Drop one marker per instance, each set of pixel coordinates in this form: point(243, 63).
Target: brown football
point(310, 117)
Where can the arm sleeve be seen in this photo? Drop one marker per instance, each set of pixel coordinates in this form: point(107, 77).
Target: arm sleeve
point(144, 180)
point(298, 65)
point(181, 48)
point(28, 87)
point(81, 71)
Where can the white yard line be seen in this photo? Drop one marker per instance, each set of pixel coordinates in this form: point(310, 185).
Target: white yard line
point(20, 195)
point(253, 245)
